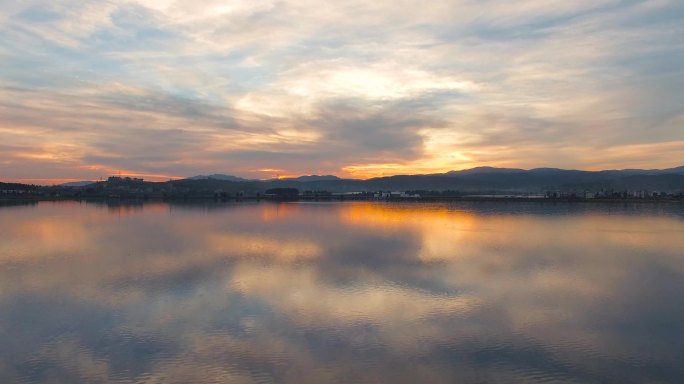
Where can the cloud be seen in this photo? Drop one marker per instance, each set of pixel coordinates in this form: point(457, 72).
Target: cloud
point(232, 290)
point(399, 87)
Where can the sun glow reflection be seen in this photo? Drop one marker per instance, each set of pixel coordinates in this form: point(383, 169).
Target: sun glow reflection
point(406, 278)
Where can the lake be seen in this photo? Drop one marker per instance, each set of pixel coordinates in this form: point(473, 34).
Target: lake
point(351, 292)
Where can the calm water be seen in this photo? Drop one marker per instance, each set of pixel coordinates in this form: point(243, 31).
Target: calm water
point(341, 292)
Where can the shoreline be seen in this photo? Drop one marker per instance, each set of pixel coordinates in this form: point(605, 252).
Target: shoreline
point(36, 199)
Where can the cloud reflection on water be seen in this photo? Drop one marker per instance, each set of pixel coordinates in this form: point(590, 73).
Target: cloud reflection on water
point(358, 292)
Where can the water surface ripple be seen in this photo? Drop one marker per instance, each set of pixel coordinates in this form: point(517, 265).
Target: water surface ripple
point(341, 293)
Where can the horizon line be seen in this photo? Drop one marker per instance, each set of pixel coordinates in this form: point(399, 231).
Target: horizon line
point(59, 181)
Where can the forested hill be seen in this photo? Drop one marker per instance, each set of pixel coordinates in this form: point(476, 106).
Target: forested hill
point(483, 179)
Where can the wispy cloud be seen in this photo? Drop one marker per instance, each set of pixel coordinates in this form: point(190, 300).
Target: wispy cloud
point(177, 88)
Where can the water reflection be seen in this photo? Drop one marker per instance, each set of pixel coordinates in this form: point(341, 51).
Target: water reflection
point(353, 292)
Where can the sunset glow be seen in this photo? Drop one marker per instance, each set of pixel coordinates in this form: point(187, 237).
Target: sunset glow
point(175, 88)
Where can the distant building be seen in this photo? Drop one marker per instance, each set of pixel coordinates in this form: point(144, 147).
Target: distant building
point(406, 195)
point(382, 195)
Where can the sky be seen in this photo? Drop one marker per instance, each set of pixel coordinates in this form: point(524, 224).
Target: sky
point(173, 88)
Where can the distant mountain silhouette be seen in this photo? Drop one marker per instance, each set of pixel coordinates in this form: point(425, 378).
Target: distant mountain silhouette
point(491, 179)
point(217, 176)
point(307, 178)
point(484, 170)
point(76, 183)
point(679, 170)
point(475, 180)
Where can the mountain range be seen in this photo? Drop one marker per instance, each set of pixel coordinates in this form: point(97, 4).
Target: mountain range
point(486, 179)
point(480, 179)
point(218, 176)
point(77, 184)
